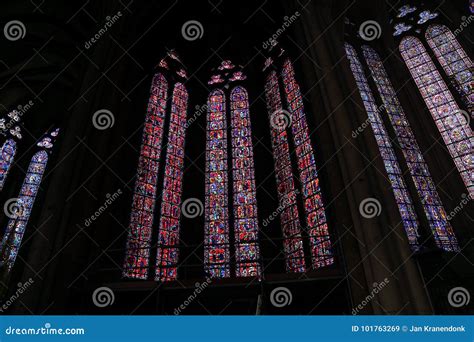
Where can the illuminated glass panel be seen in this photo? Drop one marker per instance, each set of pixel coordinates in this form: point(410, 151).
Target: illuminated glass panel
point(402, 196)
point(289, 217)
point(6, 160)
point(24, 204)
point(448, 117)
point(453, 59)
point(433, 208)
point(144, 197)
point(317, 227)
point(168, 235)
point(216, 236)
point(247, 252)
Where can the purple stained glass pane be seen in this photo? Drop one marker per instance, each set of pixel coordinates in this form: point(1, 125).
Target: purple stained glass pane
point(289, 217)
point(433, 208)
point(247, 251)
point(216, 231)
point(143, 204)
point(402, 196)
point(454, 60)
point(168, 234)
point(19, 212)
point(316, 222)
point(446, 113)
point(6, 160)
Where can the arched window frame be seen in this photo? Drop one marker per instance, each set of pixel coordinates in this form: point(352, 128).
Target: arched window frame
point(247, 251)
point(216, 231)
point(144, 198)
point(169, 230)
point(453, 59)
point(315, 212)
point(392, 167)
point(424, 184)
point(446, 113)
point(289, 217)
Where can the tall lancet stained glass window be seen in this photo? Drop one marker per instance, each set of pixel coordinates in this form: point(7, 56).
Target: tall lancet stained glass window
point(144, 197)
point(19, 212)
point(316, 223)
point(402, 196)
point(454, 60)
point(168, 235)
point(289, 217)
point(216, 236)
point(433, 208)
point(448, 117)
point(6, 160)
point(245, 201)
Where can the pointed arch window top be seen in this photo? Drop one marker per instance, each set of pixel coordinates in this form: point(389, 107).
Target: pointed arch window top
point(445, 111)
point(453, 59)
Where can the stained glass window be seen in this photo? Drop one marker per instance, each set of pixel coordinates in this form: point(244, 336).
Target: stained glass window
point(6, 160)
point(316, 223)
point(247, 251)
point(448, 117)
point(20, 210)
point(404, 10)
point(144, 197)
point(454, 60)
point(216, 237)
point(168, 235)
point(433, 208)
point(289, 217)
point(402, 196)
